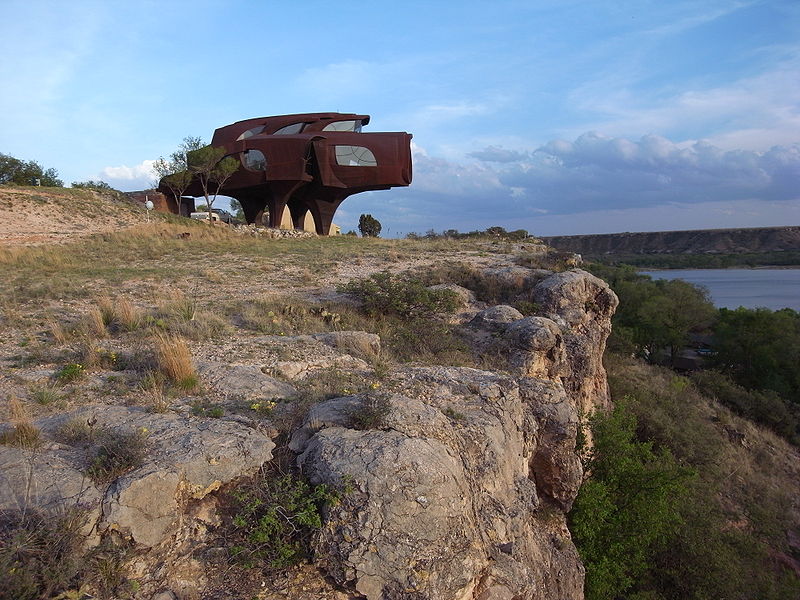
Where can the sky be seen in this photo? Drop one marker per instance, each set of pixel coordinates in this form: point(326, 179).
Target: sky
point(559, 117)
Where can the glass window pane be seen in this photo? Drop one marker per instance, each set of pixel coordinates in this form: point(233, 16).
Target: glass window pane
point(254, 160)
point(250, 133)
point(355, 156)
point(354, 126)
point(290, 129)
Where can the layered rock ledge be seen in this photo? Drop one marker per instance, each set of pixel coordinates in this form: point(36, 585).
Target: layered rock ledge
point(460, 494)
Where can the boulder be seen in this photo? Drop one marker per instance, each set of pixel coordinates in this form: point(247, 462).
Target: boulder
point(243, 382)
point(496, 317)
point(356, 343)
point(186, 459)
point(582, 305)
point(465, 297)
point(445, 501)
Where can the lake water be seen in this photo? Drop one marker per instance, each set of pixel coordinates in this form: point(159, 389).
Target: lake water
point(751, 288)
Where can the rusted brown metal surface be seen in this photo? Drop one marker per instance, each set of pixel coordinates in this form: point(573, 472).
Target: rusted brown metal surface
point(309, 163)
point(163, 203)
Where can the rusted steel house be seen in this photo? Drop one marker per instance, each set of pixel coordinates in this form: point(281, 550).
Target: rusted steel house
point(309, 163)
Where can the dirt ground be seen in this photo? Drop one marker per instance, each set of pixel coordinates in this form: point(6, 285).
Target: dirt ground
point(35, 215)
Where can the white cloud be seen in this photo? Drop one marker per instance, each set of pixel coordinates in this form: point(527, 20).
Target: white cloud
point(125, 178)
point(598, 183)
point(756, 112)
point(143, 169)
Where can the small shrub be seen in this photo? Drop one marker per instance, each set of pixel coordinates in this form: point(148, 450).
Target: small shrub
point(426, 340)
point(453, 414)
point(106, 570)
point(45, 394)
point(117, 454)
point(93, 356)
point(372, 413)
point(155, 395)
point(273, 519)
point(75, 432)
point(40, 553)
point(387, 294)
point(213, 411)
point(264, 407)
point(71, 372)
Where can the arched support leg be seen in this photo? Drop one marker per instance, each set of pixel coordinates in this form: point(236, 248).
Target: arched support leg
point(253, 209)
point(299, 212)
point(281, 192)
point(323, 210)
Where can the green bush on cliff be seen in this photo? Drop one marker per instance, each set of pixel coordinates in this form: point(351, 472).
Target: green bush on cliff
point(629, 507)
point(273, 519)
point(387, 294)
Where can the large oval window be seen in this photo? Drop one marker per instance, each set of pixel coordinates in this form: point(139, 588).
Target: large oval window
point(254, 160)
point(355, 156)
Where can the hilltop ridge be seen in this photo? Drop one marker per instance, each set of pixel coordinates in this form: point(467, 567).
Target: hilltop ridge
point(698, 241)
point(44, 215)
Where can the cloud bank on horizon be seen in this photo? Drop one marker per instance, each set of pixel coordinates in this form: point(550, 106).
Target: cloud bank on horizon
point(556, 117)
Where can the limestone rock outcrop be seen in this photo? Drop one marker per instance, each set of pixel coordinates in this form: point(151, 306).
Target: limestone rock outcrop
point(463, 490)
point(458, 492)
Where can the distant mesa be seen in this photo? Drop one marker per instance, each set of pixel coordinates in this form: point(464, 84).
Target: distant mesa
point(698, 241)
point(309, 163)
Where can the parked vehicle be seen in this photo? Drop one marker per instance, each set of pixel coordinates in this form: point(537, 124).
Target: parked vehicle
point(203, 216)
point(217, 214)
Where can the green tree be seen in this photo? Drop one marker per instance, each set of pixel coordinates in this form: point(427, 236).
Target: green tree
point(174, 172)
point(238, 211)
point(760, 349)
point(369, 226)
point(14, 170)
point(212, 169)
point(628, 508)
point(671, 314)
point(92, 185)
point(654, 315)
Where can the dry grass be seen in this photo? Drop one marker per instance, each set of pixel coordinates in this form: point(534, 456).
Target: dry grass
point(155, 396)
point(128, 316)
point(93, 356)
point(177, 305)
point(58, 331)
point(175, 361)
point(23, 434)
point(105, 306)
point(45, 393)
point(96, 323)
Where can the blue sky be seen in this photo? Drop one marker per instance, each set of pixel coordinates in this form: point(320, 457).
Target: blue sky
point(558, 117)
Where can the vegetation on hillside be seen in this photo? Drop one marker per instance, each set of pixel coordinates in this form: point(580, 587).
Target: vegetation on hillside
point(20, 172)
point(729, 536)
point(753, 354)
point(700, 261)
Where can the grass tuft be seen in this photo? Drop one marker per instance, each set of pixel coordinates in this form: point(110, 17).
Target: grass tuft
point(175, 361)
point(372, 413)
point(23, 433)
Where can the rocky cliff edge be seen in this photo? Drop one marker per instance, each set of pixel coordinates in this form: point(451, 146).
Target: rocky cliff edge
point(460, 493)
